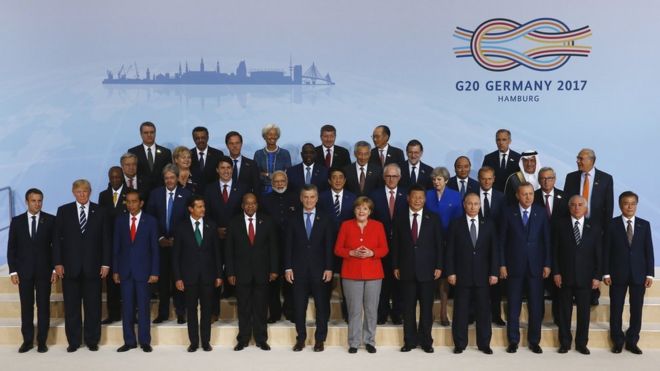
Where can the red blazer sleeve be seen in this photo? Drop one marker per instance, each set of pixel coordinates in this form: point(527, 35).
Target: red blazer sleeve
point(341, 249)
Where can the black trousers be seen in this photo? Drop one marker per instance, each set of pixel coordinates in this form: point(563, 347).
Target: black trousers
point(412, 291)
point(112, 297)
point(636, 300)
point(201, 294)
point(553, 291)
point(302, 288)
point(252, 300)
point(166, 289)
point(390, 302)
point(26, 291)
point(482, 312)
point(497, 291)
point(582, 300)
point(86, 292)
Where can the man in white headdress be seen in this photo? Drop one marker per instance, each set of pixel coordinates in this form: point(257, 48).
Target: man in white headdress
point(529, 170)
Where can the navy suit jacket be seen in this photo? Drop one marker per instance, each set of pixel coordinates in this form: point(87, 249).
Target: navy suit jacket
point(525, 251)
point(373, 178)
point(208, 174)
point(471, 186)
point(249, 177)
point(501, 175)
point(31, 258)
point(327, 205)
point(472, 264)
point(394, 155)
point(629, 263)
point(497, 205)
point(340, 156)
point(602, 195)
point(417, 261)
point(157, 207)
point(422, 172)
point(218, 211)
point(296, 175)
point(577, 264)
point(309, 257)
point(194, 264)
point(382, 210)
point(137, 259)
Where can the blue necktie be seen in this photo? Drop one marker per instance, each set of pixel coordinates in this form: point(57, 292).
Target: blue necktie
point(170, 204)
point(308, 175)
point(462, 188)
point(308, 225)
point(525, 218)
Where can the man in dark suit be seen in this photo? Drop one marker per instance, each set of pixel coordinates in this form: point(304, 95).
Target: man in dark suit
point(525, 260)
point(504, 160)
point(82, 254)
point(383, 153)
point(168, 205)
point(132, 180)
point(363, 176)
point(389, 201)
point(461, 181)
point(576, 269)
point(113, 200)
point(251, 262)
point(245, 170)
point(328, 153)
point(197, 269)
point(597, 187)
point(151, 157)
point(29, 249)
point(308, 171)
point(472, 266)
point(280, 204)
point(417, 261)
point(628, 266)
point(135, 265)
point(413, 170)
point(308, 261)
point(204, 159)
point(556, 205)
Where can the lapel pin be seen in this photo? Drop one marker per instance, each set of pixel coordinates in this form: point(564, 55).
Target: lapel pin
point(157, 150)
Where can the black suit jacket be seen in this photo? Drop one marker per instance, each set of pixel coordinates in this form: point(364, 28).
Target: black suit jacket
point(209, 174)
point(192, 263)
point(31, 258)
point(501, 175)
point(373, 179)
point(472, 264)
point(340, 156)
point(471, 186)
point(113, 211)
point(251, 264)
point(577, 264)
point(248, 176)
point(628, 263)
point(417, 261)
point(144, 187)
point(162, 157)
point(602, 195)
point(309, 257)
point(81, 254)
point(219, 211)
point(423, 173)
point(559, 204)
point(497, 206)
point(296, 176)
point(394, 155)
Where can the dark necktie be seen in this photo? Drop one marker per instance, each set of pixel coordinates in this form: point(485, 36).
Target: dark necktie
point(363, 179)
point(337, 206)
point(414, 229)
point(83, 219)
point(130, 183)
point(234, 174)
point(201, 161)
point(629, 232)
point(225, 194)
point(198, 234)
point(251, 232)
point(308, 225)
point(473, 233)
point(34, 227)
point(547, 206)
point(328, 158)
point(382, 158)
point(413, 176)
point(486, 212)
point(462, 188)
point(503, 162)
point(525, 218)
point(150, 159)
point(576, 232)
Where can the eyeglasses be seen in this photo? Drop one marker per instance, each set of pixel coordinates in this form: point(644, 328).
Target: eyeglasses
point(391, 176)
point(543, 179)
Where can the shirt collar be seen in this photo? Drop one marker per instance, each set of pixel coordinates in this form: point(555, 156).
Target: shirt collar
point(469, 219)
point(313, 211)
point(193, 221)
point(228, 183)
point(529, 209)
point(419, 213)
point(387, 191)
point(625, 220)
point(167, 191)
point(205, 150)
point(78, 204)
point(358, 166)
point(340, 193)
point(153, 148)
point(490, 191)
point(591, 173)
point(504, 153)
point(551, 193)
point(137, 217)
point(30, 215)
point(581, 220)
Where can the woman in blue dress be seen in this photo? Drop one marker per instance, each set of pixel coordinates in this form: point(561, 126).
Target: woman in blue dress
point(272, 157)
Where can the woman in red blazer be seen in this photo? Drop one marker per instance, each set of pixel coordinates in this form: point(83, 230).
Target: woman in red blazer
point(361, 243)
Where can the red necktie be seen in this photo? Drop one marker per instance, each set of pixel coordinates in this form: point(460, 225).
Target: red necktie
point(133, 229)
point(251, 232)
point(130, 183)
point(225, 195)
point(391, 204)
point(414, 229)
point(328, 158)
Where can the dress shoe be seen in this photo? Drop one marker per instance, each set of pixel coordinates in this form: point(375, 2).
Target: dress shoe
point(263, 345)
point(584, 350)
point(25, 347)
point(370, 348)
point(272, 320)
point(158, 320)
point(352, 350)
point(407, 348)
point(72, 348)
point(617, 349)
point(512, 348)
point(146, 348)
point(633, 349)
point(125, 348)
point(498, 321)
point(107, 321)
point(428, 349)
point(318, 347)
point(381, 321)
point(180, 320)
point(486, 350)
point(445, 322)
point(207, 347)
point(594, 302)
point(192, 348)
point(93, 347)
point(42, 348)
point(535, 348)
point(300, 345)
point(458, 350)
point(240, 346)
point(562, 349)
point(396, 320)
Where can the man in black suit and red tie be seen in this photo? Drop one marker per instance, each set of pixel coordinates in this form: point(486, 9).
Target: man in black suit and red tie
point(82, 255)
point(308, 171)
point(151, 157)
point(113, 200)
point(461, 181)
point(251, 263)
point(29, 250)
point(628, 266)
point(204, 159)
point(504, 160)
point(383, 153)
point(245, 170)
point(136, 265)
point(363, 175)
point(576, 270)
point(417, 262)
point(413, 170)
point(197, 269)
point(472, 266)
point(328, 153)
point(308, 261)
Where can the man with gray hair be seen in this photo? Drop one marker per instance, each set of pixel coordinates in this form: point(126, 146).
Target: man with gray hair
point(363, 176)
point(129, 166)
